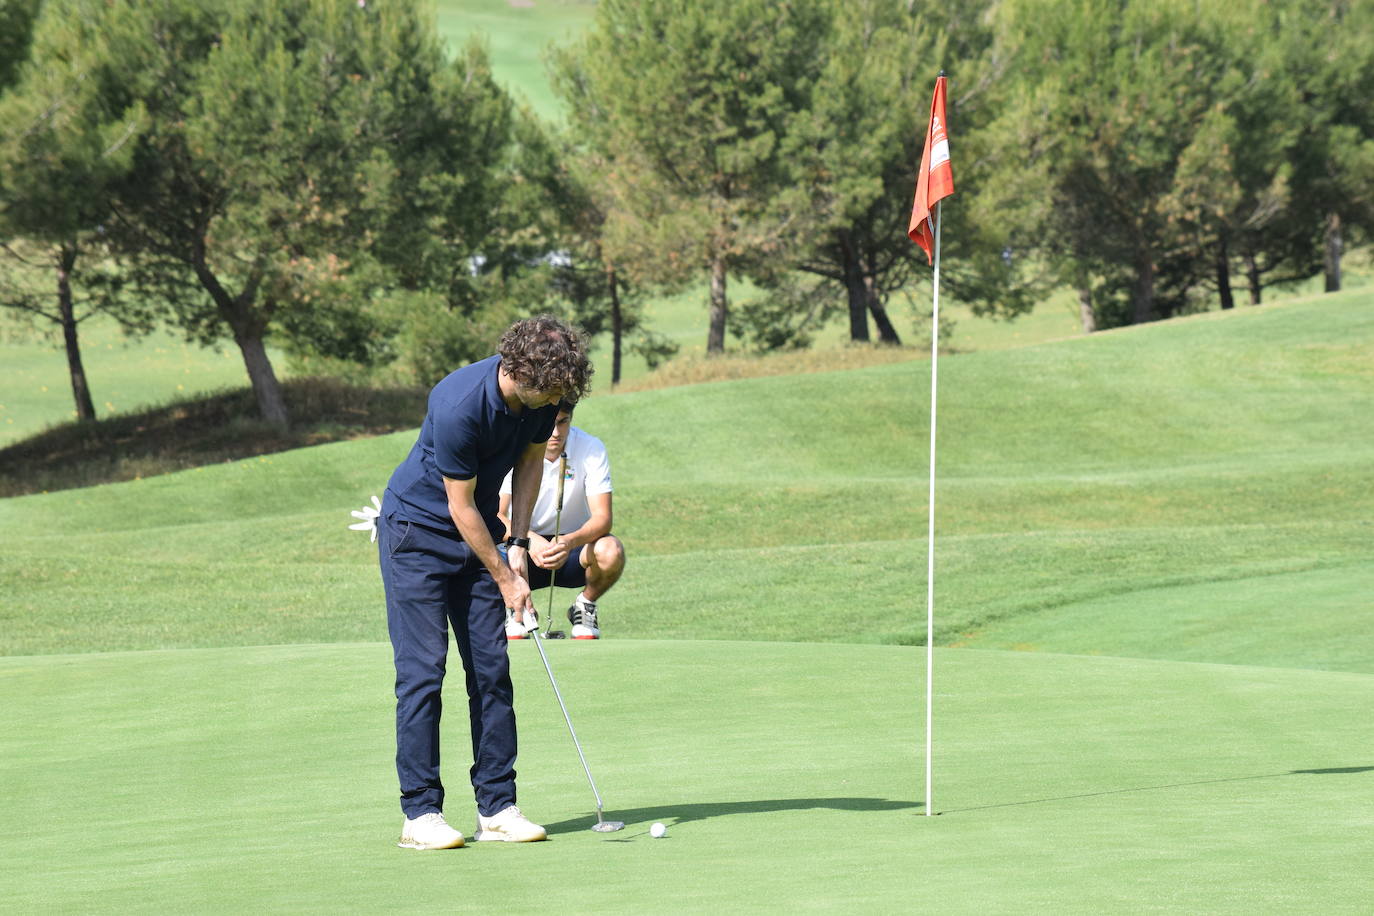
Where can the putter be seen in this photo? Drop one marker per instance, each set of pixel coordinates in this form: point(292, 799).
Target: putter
point(602, 825)
point(549, 631)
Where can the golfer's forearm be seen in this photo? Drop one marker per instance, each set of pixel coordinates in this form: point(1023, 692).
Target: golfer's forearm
point(524, 490)
point(475, 534)
point(503, 513)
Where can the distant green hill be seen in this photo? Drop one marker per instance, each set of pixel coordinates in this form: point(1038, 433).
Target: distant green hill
point(1096, 495)
point(516, 36)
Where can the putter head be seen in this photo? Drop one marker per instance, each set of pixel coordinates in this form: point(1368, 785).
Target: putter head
point(555, 634)
point(608, 826)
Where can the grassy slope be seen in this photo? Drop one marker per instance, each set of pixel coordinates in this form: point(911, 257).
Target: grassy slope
point(789, 776)
point(1088, 477)
point(516, 36)
point(124, 375)
point(1218, 448)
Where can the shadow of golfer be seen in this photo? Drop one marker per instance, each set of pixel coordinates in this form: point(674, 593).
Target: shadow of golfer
point(671, 813)
point(1175, 785)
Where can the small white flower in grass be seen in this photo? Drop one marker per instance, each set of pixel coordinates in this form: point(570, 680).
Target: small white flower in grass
point(369, 515)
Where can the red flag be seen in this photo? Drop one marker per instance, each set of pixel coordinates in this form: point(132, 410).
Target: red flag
point(935, 180)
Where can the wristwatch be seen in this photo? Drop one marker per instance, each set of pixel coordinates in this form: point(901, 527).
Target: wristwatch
point(518, 542)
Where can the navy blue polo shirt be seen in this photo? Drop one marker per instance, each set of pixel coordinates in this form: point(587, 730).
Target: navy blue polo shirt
point(468, 432)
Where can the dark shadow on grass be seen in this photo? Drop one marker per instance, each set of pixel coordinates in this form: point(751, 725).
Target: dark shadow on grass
point(672, 813)
point(200, 430)
point(1175, 785)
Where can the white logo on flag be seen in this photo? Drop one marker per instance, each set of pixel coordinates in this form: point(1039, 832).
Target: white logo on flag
point(939, 154)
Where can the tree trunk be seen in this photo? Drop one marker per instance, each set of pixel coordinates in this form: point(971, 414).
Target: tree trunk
point(1335, 247)
point(1085, 309)
point(720, 307)
point(248, 325)
point(856, 291)
point(1252, 275)
point(886, 332)
point(1143, 293)
point(81, 392)
point(1228, 301)
point(617, 325)
point(266, 388)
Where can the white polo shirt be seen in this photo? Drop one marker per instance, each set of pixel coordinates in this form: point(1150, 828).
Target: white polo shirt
point(589, 473)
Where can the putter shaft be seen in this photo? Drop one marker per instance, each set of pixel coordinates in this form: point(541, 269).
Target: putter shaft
point(571, 731)
point(601, 825)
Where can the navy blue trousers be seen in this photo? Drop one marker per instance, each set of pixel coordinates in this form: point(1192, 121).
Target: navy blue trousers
point(433, 580)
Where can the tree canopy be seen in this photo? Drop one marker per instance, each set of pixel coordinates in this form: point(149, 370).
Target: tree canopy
point(330, 178)
point(289, 162)
point(693, 104)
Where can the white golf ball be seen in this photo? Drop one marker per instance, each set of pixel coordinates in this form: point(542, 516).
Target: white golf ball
point(658, 830)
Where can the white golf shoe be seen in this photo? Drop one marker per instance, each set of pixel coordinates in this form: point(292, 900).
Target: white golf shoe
point(582, 616)
point(429, 831)
point(510, 826)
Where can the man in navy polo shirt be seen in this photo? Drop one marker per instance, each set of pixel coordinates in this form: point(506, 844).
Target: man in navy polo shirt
point(437, 540)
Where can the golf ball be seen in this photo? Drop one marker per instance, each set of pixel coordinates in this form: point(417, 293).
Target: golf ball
point(657, 830)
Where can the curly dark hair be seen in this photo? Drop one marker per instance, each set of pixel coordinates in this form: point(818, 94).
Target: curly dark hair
point(545, 353)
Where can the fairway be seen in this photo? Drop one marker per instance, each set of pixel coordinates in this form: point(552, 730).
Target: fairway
point(788, 776)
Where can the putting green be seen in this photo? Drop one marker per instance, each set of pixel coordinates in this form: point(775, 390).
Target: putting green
point(789, 776)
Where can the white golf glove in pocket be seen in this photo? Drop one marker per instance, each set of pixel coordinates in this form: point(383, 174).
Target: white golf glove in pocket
point(369, 516)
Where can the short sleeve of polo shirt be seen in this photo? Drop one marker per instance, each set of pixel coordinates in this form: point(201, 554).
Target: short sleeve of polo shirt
point(548, 416)
point(596, 466)
point(457, 432)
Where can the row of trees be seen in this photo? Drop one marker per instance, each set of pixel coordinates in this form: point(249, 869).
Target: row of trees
point(255, 169)
point(1143, 153)
point(324, 176)
point(1148, 150)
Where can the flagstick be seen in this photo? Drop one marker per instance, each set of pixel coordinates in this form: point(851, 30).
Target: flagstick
point(930, 536)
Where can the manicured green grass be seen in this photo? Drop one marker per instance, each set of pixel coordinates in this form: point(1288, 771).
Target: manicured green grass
point(789, 775)
point(1228, 449)
point(516, 35)
point(1194, 491)
point(1305, 619)
point(1056, 318)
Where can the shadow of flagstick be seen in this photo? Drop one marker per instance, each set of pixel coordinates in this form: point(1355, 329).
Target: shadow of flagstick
point(1176, 785)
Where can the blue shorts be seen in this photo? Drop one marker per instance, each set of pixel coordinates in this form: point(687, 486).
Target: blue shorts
point(571, 574)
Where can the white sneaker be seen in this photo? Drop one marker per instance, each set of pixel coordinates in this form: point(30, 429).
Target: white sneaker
point(517, 630)
point(582, 616)
point(508, 825)
point(429, 831)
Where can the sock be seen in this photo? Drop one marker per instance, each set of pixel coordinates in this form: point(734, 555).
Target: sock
point(582, 600)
